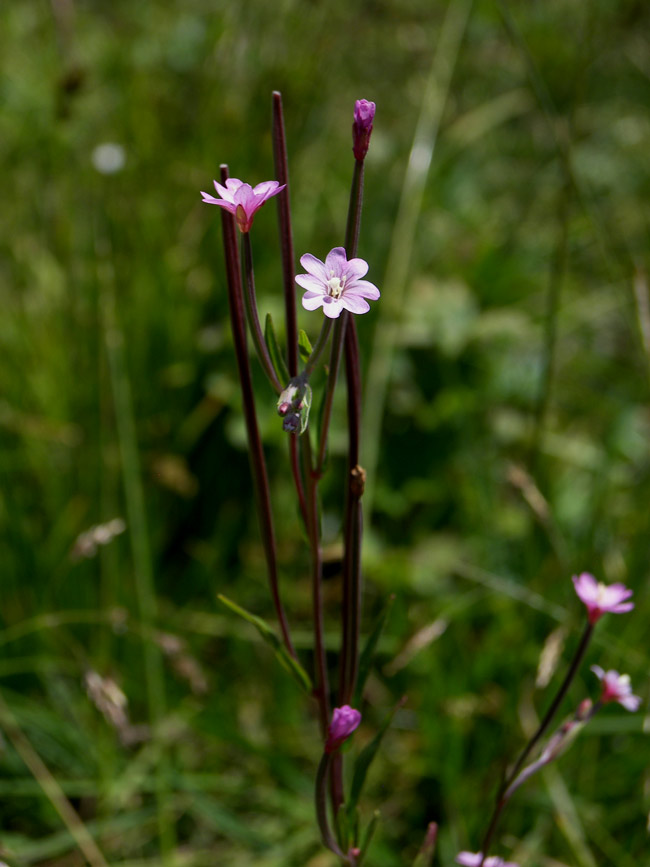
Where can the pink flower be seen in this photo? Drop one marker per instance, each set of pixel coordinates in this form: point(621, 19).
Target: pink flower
point(601, 598)
point(364, 114)
point(242, 200)
point(473, 859)
point(335, 284)
point(616, 687)
point(345, 720)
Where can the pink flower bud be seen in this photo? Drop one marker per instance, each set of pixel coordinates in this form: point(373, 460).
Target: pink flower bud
point(364, 113)
point(345, 720)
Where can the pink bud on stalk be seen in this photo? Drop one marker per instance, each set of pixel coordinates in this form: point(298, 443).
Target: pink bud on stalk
point(600, 598)
point(364, 113)
point(616, 687)
point(345, 720)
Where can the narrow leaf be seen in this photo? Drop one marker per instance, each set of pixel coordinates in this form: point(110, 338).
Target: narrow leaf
point(424, 858)
point(274, 351)
point(368, 834)
point(304, 346)
point(365, 758)
point(286, 660)
point(368, 653)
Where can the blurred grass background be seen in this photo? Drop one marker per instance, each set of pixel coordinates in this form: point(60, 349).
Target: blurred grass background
point(507, 421)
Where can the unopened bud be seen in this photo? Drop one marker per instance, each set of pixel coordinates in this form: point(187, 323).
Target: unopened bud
point(287, 399)
point(345, 720)
point(364, 113)
point(291, 423)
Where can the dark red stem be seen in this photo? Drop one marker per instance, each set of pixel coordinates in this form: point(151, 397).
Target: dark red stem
point(256, 451)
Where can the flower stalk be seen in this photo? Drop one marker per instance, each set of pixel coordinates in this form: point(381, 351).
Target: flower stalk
point(252, 315)
point(256, 452)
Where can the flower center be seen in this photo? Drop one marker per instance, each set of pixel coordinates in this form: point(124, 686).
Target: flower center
point(335, 286)
point(601, 594)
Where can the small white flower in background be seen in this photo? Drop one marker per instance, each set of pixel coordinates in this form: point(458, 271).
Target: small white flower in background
point(87, 542)
point(109, 158)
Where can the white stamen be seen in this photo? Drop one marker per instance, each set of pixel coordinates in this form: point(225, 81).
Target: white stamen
point(335, 286)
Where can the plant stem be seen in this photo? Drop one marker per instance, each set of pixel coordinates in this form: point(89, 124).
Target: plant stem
point(335, 361)
point(288, 274)
point(543, 726)
point(353, 522)
point(321, 807)
point(550, 713)
point(353, 515)
point(320, 663)
point(252, 316)
point(256, 452)
point(286, 234)
point(317, 349)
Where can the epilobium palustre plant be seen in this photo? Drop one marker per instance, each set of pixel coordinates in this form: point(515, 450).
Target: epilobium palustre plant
point(337, 285)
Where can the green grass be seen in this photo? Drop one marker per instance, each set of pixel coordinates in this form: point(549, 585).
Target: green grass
point(511, 333)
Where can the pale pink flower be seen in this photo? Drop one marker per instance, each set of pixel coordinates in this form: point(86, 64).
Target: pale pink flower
point(345, 720)
point(364, 114)
point(242, 200)
point(616, 687)
point(473, 859)
point(335, 284)
point(601, 598)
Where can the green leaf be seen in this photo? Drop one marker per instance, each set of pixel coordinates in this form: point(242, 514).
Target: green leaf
point(286, 660)
point(368, 653)
point(274, 351)
point(424, 858)
point(304, 346)
point(369, 833)
point(364, 760)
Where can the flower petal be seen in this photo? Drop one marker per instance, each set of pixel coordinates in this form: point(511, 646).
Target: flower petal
point(336, 261)
point(312, 302)
point(363, 288)
point(315, 267)
point(313, 284)
point(354, 303)
point(224, 192)
point(332, 307)
point(210, 200)
point(356, 268)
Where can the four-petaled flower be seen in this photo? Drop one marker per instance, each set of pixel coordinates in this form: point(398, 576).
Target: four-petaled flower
point(616, 687)
point(474, 859)
point(242, 200)
point(345, 720)
point(364, 114)
point(336, 284)
point(601, 598)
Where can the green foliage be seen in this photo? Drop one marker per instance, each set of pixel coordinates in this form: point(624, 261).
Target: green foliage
point(277, 358)
point(288, 662)
point(505, 434)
